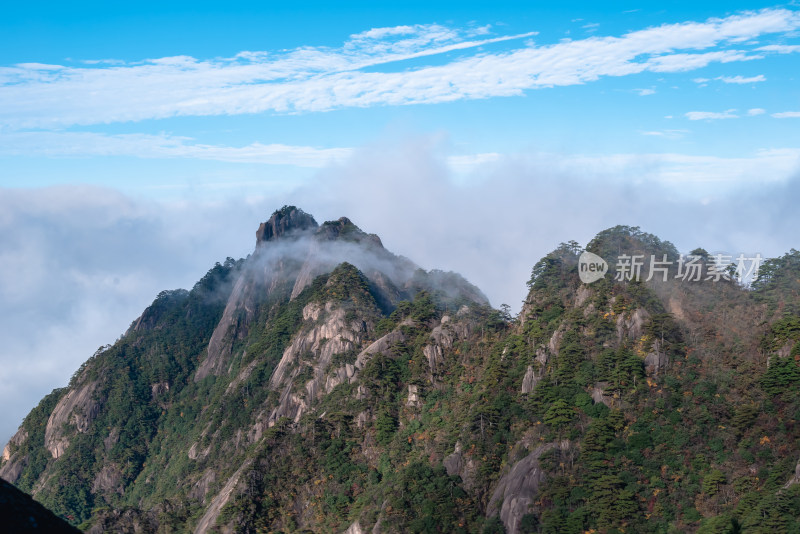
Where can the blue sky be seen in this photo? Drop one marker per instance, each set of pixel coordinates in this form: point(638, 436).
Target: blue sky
point(268, 93)
point(139, 143)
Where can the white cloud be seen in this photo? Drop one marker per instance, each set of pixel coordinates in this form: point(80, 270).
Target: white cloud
point(780, 49)
point(645, 92)
point(102, 62)
point(711, 115)
point(742, 79)
point(319, 79)
point(756, 111)
point(681, 170)
point(787, 115)
point(66, 144)
point(381, 33)
point(687, 62)
point(660, 167)
point(667, 134)
point(469, 162)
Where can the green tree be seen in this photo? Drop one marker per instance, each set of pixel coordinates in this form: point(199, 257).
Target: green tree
point(558, 414)
point(781, 375)
point(385, 426)
point(612, 504)
point(712, 481)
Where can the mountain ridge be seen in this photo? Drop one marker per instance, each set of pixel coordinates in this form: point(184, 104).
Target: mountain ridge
point(325, 384)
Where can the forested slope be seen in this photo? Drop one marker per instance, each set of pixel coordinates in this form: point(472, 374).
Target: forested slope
point(324, 384)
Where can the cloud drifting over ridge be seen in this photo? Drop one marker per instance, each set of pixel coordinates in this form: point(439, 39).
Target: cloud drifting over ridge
point(321, 79)
point(78, 264)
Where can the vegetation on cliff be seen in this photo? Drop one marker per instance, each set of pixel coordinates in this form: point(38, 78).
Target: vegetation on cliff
point(364, 393)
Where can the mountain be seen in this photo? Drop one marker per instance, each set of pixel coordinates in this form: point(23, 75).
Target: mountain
point(324, 384)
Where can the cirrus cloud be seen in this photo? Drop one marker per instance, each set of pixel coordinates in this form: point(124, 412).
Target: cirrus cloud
point(711, 115)
point(367, 71)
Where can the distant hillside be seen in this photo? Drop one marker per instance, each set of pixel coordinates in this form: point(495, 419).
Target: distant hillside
point(324, 384)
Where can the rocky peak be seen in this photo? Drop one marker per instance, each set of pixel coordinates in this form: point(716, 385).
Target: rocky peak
point(343, 228)
point(340, 227)
point(284, 222)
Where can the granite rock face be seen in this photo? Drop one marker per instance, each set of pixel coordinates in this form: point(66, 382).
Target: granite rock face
point(796, 478)
point(516, 491)
point(285, 222)
point(77, 408)
point(291, 251)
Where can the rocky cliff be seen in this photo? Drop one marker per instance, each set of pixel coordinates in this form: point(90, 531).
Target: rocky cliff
point(325, 384)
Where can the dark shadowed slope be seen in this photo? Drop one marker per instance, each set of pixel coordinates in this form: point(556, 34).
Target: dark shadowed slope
point(19, 513)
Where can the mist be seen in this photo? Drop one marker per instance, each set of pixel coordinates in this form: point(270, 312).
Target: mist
point(495, 224)
point(78, 264)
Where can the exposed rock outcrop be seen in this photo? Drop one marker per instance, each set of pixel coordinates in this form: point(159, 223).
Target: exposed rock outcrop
point(581, 295)
point(242, 376)
point(287, 222)
point(354, 528)
point(517, 490)
point(195, 452)
point(239, 312)
point(555, 340)
point(656, 360)
point(597, 391)
point(13, 462)
point(333, 336)
point(209, 518)
point(291, 251)
point(382, 345)
point(530, 380)
point(461, 464)
point(786, 350)
point(159, 389)
point(108, 480)
point(796, 478)
point(413, 400)
point(111, 440)
point(328, 332)
point(77, 408)
point(13, 466)
point(442, 338)
point(632, 324)
point(200, 488)
point(454, 462)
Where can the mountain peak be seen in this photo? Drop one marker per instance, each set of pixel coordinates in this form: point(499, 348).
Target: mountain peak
point(344, 228)
point(283, 222)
